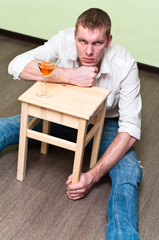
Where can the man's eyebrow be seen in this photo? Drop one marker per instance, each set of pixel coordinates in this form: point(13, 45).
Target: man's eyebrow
point(100, 40)
point(81, 39)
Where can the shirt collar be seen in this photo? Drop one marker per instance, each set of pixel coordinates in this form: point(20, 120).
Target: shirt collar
point(105, 63)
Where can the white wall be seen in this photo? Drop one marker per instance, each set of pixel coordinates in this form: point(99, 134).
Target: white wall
point(135, 23)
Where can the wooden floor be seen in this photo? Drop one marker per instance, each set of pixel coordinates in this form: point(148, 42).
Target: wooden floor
point(38, 208)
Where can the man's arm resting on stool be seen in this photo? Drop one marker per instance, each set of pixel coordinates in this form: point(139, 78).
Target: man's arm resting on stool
point(82, 76)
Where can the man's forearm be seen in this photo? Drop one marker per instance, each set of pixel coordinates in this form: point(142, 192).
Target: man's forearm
point(31, 72)
point(82, 76)
point(118, 148)
point(59, 75)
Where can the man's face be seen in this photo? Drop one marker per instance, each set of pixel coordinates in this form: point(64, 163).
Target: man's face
point(90, 45)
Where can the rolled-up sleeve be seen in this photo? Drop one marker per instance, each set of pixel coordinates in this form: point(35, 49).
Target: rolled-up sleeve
point(17, 65)
point(130, 104)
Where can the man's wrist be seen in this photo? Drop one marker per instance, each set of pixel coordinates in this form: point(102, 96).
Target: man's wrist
point(93, 176)
point(70, 77)
point(62, 75)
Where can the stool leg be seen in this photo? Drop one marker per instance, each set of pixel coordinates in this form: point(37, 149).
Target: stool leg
point(23, 143)
point(78, 159)
point(97, 136)
point(46, 130)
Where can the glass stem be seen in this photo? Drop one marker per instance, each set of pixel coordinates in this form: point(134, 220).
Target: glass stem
point(45, 81)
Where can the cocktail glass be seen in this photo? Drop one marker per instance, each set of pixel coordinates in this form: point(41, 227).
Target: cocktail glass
point(46, 63)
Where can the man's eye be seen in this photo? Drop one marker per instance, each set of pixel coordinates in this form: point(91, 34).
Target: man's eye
point(98, 43)
point(83, 41)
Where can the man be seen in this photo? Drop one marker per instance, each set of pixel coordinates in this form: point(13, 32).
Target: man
point(87, 58)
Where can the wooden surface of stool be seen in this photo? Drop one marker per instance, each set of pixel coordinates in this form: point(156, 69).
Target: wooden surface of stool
point(71, 106)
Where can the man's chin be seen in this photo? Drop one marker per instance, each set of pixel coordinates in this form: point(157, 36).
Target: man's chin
point(88, 64)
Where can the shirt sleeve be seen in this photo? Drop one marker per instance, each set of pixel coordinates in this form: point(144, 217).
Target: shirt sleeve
point(17, 65)
point(130, 104)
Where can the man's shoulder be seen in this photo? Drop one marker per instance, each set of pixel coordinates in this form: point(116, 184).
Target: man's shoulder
point(64, 39)
point(67, 34)
point(120, 55)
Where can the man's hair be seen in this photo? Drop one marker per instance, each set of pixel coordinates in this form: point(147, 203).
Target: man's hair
point(94, 18)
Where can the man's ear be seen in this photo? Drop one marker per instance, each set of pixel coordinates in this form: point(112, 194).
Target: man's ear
point(75, 34)
point(109, 40)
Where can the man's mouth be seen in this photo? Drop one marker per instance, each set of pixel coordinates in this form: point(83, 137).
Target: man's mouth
point(88, 60)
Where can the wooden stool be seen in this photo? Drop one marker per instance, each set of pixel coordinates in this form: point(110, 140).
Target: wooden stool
point(70, 106)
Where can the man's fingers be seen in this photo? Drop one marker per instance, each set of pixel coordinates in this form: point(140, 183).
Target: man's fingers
point(74, 190)
point(75, 196)
point(69, 179)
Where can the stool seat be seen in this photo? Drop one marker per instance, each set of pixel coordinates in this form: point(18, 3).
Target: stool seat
point(69, 105)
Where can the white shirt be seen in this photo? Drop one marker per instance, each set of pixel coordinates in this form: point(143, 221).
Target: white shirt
point(118, 73)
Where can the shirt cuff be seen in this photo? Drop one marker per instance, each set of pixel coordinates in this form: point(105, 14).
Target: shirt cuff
point(131, 129)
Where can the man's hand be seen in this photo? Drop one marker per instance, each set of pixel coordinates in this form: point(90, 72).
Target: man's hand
point(84, 76)
point(80, 189)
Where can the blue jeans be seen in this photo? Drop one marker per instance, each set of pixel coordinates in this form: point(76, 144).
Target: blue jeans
point(123, 201)
point(125, 177)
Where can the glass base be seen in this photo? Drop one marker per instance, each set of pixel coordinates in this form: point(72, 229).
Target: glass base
point(43, 94)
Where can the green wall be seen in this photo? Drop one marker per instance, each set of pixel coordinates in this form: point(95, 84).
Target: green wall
point(135, 22)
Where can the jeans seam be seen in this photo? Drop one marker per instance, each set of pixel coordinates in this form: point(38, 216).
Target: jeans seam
point(115, 203)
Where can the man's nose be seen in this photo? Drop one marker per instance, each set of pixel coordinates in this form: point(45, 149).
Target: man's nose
point(89, 50)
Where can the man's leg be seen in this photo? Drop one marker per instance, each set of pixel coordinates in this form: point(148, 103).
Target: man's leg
point(123, 201)
point(9, 131)
point(10, 128)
